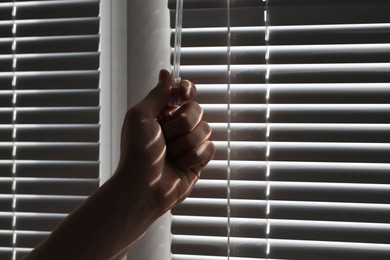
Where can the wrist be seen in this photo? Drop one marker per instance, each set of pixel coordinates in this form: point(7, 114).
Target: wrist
point(136, 197)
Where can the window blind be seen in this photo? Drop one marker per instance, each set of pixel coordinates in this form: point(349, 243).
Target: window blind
point(297, 94)
point(49, 116)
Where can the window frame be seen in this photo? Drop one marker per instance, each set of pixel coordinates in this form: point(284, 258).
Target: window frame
point(120, 78)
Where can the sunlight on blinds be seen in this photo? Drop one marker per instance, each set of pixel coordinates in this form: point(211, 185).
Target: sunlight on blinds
point(225, 205)
point(297, 93)
point(49, 116)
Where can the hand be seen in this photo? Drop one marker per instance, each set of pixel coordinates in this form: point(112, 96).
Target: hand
point(162, 153)
point(164, 150)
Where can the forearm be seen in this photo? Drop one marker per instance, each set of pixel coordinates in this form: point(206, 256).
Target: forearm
point(104, 227)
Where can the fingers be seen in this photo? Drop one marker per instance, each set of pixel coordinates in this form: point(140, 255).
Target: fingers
point(183, 121)
point(197, 158)
point(155, 103)
point(187, 138)
point(187, 91)
point(158, 97)
point(187, 135)
point(186, 142)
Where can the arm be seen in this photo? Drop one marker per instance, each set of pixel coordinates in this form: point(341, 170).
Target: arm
point(162, 154)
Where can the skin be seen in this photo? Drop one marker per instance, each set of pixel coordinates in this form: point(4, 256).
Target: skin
point(163, 151)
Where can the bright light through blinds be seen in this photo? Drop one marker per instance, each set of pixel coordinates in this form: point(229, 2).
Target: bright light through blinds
point(49, 116)
point(323, 78)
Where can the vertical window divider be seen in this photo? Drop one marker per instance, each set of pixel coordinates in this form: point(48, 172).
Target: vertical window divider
point(228, 190)
point(228, 155)
point(14, 115)
point(268, 128)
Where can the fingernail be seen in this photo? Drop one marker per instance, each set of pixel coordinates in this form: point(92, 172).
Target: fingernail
point(185, 89)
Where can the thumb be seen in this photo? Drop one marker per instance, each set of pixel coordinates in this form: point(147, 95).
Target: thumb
point(158, 97)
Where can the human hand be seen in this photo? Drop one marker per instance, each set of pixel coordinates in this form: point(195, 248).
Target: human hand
point(162, 153)
point(164, 150)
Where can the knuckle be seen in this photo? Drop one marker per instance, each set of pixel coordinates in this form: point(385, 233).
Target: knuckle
point(133, 113)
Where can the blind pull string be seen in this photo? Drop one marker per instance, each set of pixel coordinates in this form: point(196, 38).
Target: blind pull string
point(14, 115)
point(228, 155)
point(268, 130)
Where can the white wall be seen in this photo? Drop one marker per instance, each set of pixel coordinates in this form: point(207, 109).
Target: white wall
point(148, 51)
point(113, 82)
point(148, 45)
point(134, 46)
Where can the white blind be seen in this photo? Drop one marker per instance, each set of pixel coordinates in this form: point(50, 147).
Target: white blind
point(49, 116)
point(311, 181)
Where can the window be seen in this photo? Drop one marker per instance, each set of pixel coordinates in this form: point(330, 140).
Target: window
point(324, 145)
point(297, 93)
point(49, 116)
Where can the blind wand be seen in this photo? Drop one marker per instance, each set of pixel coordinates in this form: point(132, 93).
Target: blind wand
point(175, 100)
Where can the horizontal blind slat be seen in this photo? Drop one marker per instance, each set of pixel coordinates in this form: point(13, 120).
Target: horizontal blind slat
point(51, 27)
point(283, 229)
point(301, 171)
point(51, 44)
point(248, 247)
point(328, 250)
point(199, 4)
point(331, 172)
point(241, 227)
point(56, 186)
point(216, 17)
point(293, 54)
point(304, 191)
point(77, 98)
point(55, 169)
point(329, 13)
point(293, 73)
point(239, 189)
point(288, 35)
point(57, 9)
point(296, 93)
point(330, 34)
point(56, 151)
point(54, 115)
point(41, 203)
point(301, 132)
point(330, 211)
point(30, 239)
point(330, 231)
point(50, 62)
point(217, 207)
point(300, 113)
point(209, 257)
point(52, 80)
point(216, 36)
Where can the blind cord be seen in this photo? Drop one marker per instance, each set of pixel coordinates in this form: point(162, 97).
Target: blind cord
point(14, 114)
point(228, 191)
point(267, 133)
